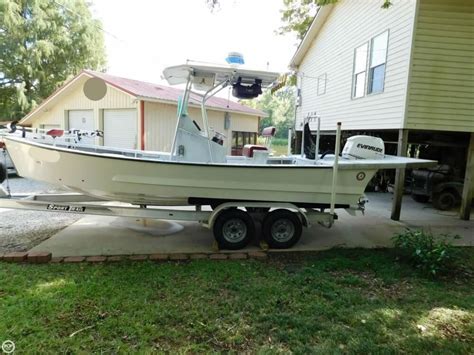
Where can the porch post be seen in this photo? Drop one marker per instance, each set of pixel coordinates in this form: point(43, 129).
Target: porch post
point(399, 175)
point(468, 182)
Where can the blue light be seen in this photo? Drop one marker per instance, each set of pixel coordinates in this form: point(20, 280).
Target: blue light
point(235, 58)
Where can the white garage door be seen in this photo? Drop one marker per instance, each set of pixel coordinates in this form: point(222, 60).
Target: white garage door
point(120, 128)
point(84, 120)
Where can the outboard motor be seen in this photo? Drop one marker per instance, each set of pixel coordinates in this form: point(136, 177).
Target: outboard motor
point(364, 147)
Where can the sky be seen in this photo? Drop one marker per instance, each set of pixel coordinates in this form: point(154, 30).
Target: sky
point(144, 36)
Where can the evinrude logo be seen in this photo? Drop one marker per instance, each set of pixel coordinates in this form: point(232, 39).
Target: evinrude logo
point(369, 147)
point(66, 208)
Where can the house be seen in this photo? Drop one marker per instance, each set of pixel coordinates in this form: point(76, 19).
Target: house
point(405, 73)
point(139, 115)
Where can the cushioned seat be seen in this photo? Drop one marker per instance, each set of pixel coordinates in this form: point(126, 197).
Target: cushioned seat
point(250, 148)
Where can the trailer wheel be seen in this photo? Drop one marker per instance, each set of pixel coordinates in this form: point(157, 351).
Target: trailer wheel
point(445, 200)
point(282, 229)
point(3, 173)
point(233, 229)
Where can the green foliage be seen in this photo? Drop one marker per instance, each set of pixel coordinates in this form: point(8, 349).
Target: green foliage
point(43, 43)
point(297, 15)
point(280, 108)
point(431, 255)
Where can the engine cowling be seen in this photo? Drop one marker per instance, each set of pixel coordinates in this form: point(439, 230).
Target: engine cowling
point(364, 147)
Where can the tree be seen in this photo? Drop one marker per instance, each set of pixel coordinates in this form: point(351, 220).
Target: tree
point(297, 15)
point(280, 108)
point(42, 44)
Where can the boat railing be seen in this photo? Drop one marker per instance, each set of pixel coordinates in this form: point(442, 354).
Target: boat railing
point(74, 139)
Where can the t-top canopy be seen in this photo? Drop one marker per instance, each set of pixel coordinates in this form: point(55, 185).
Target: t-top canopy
point(179, 74)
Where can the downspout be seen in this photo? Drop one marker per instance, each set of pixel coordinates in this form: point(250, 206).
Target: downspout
point(142, 125)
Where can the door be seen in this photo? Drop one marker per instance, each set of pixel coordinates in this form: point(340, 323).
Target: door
point(120, 128)
point(83, 120)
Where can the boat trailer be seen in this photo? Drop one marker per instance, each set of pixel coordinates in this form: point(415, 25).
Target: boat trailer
point(233, 223)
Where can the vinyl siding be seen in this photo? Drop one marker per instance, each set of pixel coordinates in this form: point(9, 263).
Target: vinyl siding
point(55, 112)
point(350, 24)
point(160, 124)
point(441, 91)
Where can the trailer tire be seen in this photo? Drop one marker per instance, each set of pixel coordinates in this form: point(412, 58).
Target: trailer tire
point(282, 229)
point(444, 200)
point(3, 173)
point(233, 229)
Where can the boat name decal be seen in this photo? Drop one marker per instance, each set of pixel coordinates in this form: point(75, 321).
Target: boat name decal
point(66, 208)
point(369, 147)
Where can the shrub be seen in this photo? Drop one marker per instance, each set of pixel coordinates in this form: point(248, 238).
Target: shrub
point(432, 255)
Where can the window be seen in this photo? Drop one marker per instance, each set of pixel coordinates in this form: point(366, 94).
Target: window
point(239, 139)
point(360, 70)
point(369, 66)
point(378, 58)
point(322, 84)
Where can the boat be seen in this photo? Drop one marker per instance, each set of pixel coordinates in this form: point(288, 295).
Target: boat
point(197, 170)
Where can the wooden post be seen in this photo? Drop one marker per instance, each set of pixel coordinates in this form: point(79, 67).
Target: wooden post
point(468, 182)
point(399, 175)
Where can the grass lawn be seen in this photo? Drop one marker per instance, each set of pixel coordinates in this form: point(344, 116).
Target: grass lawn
point(339, 301)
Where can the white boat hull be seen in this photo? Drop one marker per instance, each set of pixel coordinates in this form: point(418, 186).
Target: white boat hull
point(154, 182)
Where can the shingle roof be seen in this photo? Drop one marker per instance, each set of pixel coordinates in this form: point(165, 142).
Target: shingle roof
point(152, 91)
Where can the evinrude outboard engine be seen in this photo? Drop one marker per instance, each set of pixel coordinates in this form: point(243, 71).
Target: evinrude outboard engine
point(364, 147)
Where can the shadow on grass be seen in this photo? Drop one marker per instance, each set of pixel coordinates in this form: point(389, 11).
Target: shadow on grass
point(334, 301)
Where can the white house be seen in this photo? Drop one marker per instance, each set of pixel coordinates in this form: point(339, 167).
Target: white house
point(139, 115)
point(407, 70)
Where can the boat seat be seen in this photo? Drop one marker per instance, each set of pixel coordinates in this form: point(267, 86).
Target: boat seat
point(250, 148)
point(269, 132)
point(55, 133)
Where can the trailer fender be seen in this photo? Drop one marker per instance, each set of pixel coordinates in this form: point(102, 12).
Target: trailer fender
point(289, 206)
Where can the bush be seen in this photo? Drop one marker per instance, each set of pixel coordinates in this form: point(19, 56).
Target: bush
point(432, 255)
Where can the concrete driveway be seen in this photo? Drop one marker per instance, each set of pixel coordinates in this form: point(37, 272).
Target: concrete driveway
point(94, 235)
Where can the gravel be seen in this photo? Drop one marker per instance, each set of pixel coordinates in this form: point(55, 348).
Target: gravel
point(20, 230)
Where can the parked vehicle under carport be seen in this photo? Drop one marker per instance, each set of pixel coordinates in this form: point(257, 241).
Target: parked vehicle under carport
point(437, 184)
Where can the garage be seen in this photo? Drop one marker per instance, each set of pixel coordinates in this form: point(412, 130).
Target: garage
point(120, 128)
point(134, 114)
point(83, 120)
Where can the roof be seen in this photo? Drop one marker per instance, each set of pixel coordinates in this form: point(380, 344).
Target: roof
point(147, 92)
point(310, 35)
point(179, 74)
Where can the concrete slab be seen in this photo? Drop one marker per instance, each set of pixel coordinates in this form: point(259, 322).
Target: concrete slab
point(95, 235)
